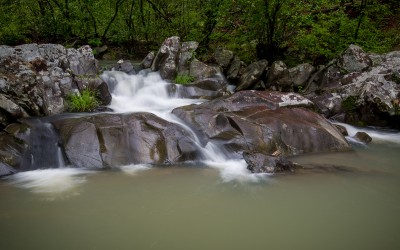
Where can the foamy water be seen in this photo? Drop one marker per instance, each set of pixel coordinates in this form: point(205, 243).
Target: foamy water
point(377, 135)
point(147, 92)
point(51, 182)
point(134, 169)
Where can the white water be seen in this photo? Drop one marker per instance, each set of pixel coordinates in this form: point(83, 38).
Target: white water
point(59, 181)
point(147, 92)
point(377, 135)
point(134, 169)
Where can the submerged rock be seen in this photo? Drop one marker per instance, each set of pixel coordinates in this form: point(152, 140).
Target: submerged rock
point(363, 137)
point(261, 163)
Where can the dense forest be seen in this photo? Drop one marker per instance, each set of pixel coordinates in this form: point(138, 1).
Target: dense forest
point(293, 30)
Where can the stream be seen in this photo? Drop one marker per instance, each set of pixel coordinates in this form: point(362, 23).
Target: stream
point(217, 204)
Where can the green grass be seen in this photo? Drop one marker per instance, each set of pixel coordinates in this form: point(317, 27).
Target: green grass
point(86, 101)
point(184, 79)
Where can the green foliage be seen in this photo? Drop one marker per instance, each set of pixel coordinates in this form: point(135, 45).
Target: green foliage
point(184, 79)
point(86, 101)
point(95, 42)
point(292, 30)
point(349, 104)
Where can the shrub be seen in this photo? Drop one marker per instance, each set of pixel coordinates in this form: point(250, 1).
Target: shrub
point(86, 101)
point(184, 79)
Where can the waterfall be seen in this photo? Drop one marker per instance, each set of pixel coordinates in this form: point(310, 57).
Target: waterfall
point(45, 150)
point(148, 92)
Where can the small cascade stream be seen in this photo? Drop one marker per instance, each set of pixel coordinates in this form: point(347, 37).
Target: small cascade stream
point(45, 151)
point(147, 92)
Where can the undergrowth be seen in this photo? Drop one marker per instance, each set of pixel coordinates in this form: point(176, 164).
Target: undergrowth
point(85, 101)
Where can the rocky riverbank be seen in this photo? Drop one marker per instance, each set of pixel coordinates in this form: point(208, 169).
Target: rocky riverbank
point(260, 112)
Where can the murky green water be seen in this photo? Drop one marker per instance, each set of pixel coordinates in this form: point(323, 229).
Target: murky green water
point(193, 208)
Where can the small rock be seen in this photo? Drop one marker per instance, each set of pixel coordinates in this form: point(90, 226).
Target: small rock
point(363, 137)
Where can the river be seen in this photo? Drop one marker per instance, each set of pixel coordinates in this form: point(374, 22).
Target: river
point(215, 205)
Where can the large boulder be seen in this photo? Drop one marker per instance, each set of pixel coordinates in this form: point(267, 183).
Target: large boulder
point(36, 79)
point(167, 59)
point(354, 59)
point(111, 140)
point(223, 58)
point(186, 56)
point(264, 122)
point(277, 71)
point(233, 73)
point(370, 97)
point(282, 78)
point(200, 70)
point(252, 74)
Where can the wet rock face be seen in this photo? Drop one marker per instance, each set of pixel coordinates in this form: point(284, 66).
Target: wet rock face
point(35, 79)
point(257, 121)
point(109, 140)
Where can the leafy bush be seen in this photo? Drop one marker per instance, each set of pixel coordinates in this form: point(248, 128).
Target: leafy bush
point(184, 79)
point(86, 101)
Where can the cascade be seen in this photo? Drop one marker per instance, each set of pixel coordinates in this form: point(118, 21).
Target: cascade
point(45, 151)
point(148, 92)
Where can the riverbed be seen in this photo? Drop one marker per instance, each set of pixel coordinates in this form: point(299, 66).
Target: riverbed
point(196, 207)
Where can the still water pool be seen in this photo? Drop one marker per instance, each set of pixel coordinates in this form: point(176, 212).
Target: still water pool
point(144, 207)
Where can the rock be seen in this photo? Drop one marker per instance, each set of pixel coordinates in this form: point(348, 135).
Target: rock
point(363, 137)
point(186, 56)
point(367, 97)
point(36, 79)
point(233, 72)
point(330, 77)
point(6, 170)
point(111, 140)
point(257, 121)
point(277, 71)
point(125, 66)
point(200, 70)
point(166, 60)
point(81, 61)
point(354, 59)
point(342, 129)
point(147, 61)
point(300, 74)
point(223, 58)
point(261, 163)
point(30, 145)
point(252, 75)
point(104, 94)
point(208, 88)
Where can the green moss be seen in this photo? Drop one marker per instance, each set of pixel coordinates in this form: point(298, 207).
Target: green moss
point(86, 101)
point(396, 78)
point(184, 79)
point(349, 104)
